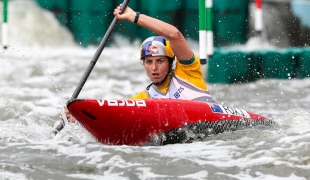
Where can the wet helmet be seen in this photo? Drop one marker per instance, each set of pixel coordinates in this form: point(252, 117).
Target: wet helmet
point(156, 46)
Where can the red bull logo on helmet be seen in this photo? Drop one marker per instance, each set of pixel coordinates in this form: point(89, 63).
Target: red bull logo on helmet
point(150, 50)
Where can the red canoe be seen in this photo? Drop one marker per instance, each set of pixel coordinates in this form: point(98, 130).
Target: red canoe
point(158, 121)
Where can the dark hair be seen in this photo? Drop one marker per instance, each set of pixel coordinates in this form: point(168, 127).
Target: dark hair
point(170, 63)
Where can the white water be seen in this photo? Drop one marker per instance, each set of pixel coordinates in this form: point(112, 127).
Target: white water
point(38, 74)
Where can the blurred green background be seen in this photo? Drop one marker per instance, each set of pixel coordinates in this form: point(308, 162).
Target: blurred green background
point(88, 20)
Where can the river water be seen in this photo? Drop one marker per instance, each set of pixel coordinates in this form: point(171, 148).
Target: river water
point(41, 69)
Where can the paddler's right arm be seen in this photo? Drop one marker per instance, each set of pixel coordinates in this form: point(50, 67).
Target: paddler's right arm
point(178, 43)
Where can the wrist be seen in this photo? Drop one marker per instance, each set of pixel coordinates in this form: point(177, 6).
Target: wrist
point(136, 19)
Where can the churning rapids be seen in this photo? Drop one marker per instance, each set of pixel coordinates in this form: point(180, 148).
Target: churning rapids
point(41, 69)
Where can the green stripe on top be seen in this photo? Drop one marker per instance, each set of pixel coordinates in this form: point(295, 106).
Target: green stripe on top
point(187, 62)
point(209, 19)
point(5, 11)
point(209, 16)
point(202, 15)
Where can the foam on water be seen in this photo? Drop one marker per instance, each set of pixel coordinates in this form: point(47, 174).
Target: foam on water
point(34, 28)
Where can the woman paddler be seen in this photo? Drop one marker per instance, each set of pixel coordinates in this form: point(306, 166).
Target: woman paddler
point(158, 54)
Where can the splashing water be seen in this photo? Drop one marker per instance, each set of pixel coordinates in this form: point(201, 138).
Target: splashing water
point(37, 78)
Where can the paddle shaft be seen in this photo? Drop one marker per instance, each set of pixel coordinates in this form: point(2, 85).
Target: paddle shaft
point(60, 125)
point(97, 54)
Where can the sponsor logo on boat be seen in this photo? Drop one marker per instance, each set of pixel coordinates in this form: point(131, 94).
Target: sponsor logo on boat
point(139, 103)
point(228, 110)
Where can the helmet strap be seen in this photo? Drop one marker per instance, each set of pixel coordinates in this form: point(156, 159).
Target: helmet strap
point(157, 83)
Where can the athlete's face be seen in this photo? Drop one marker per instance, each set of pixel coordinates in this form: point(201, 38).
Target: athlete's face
point(157, 67)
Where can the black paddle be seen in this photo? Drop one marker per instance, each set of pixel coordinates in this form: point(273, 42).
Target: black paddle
point(60, 125)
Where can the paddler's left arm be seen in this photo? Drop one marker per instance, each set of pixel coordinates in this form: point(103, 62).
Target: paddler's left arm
point(140, 95)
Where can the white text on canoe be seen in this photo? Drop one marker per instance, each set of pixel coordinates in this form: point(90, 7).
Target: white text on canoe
point(139, 103)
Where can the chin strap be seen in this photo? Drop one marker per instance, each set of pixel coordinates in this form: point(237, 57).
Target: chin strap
point(157, 83)
point(148, 87)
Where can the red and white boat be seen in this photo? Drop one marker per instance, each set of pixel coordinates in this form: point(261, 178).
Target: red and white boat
point(158, 121)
